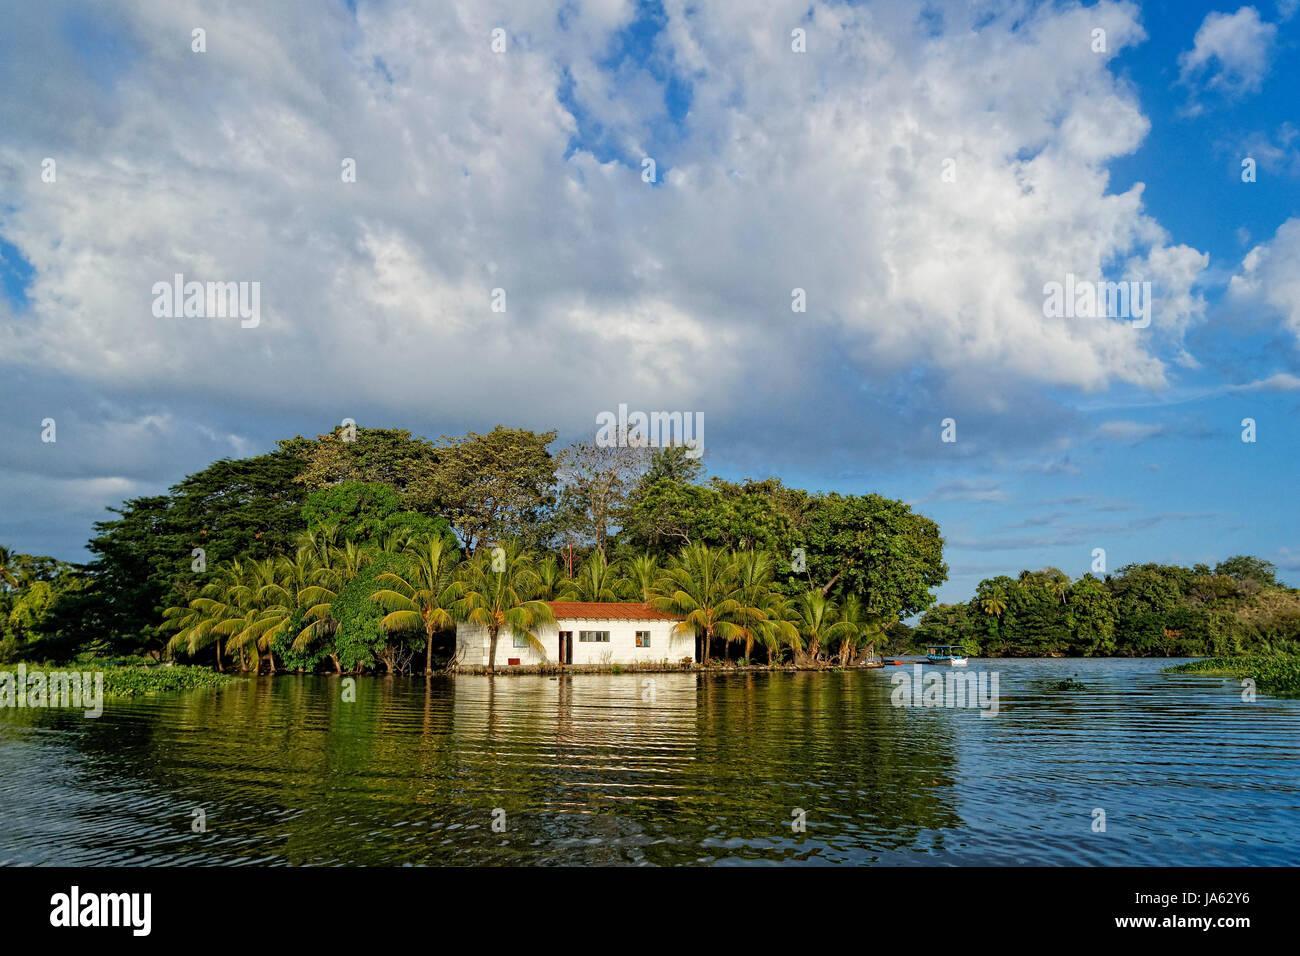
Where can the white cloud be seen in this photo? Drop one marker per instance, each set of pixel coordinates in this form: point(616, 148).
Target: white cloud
point(820, 171)
point(1268, 282)
point(1230, 53)
point(1278, 382)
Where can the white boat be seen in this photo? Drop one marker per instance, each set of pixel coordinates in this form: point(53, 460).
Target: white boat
point(952, 654)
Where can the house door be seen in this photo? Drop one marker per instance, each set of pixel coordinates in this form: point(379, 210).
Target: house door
point(566, 647)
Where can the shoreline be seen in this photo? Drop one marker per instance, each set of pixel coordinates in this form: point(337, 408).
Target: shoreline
point(555, 670)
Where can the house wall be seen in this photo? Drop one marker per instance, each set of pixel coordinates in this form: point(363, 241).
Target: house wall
point(472, 642)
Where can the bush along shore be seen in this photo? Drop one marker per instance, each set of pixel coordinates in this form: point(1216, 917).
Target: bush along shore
point(1275, 674)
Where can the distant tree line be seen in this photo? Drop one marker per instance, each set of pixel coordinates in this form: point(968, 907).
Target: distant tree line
point(1143, 610)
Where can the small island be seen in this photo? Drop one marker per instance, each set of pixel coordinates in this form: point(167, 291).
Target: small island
point(375, 551)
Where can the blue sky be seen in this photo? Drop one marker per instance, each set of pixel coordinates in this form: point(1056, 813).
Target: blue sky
point(775, 170)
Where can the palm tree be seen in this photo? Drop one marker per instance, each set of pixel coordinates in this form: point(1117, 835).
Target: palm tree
point(861, 625)
point(818, 622)
point(552, 585)
point(198, 623)
point(754, 572)
point(781, 628)
point(221, 609)
point(700, 587)
point(1059, 587)
point(494, 591)
point(995, 603)
point(337, 567)
point(642, 579)
point(193, 623)
point(394, 540)
point(596, 580)
point(8, 570)
point(285, 599)
point(249, 624)
point(421, 597)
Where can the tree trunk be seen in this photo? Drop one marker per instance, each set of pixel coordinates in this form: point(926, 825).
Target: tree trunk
point(492, 650)
point(270, 656)
point(428, 655)
point(220, 668)
point(338, 669)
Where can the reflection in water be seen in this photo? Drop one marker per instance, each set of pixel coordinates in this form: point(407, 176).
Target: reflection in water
point(660, 769)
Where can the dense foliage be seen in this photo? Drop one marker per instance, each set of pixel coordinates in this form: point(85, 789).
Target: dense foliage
point(1238, 607)
point(310, 556)
point(358, 549)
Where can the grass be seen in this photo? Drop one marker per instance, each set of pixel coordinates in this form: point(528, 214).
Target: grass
point(1276, 674)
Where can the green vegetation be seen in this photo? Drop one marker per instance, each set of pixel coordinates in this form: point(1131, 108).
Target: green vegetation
point(144, 681)
point(359, 549)
point(1065, 684)
point(1277, 674)
point(1144, 610)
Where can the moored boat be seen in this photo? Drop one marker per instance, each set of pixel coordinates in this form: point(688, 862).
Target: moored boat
point(952, 654)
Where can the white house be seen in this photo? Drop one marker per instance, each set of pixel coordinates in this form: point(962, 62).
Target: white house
point(585, 632)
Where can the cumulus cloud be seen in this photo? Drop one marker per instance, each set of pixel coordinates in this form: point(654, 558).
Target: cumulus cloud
point(920, 178)
point(1230, 53)
point(474, 173)
point(1268, 282)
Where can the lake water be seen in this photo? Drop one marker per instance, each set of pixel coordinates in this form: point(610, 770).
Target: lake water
point(693, 769)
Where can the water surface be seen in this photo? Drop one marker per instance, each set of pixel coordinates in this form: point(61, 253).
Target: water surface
point(694, 769)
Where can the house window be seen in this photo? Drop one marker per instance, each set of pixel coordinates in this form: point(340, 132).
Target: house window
point(642, 638)
point(593, 637)
point(521, 640)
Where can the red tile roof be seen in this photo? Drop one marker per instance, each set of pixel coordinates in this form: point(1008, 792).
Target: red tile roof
point(608, 610)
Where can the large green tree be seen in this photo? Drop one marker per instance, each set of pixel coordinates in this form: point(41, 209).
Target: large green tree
point(160, 549)
point(492, 487)
point(876, 548)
